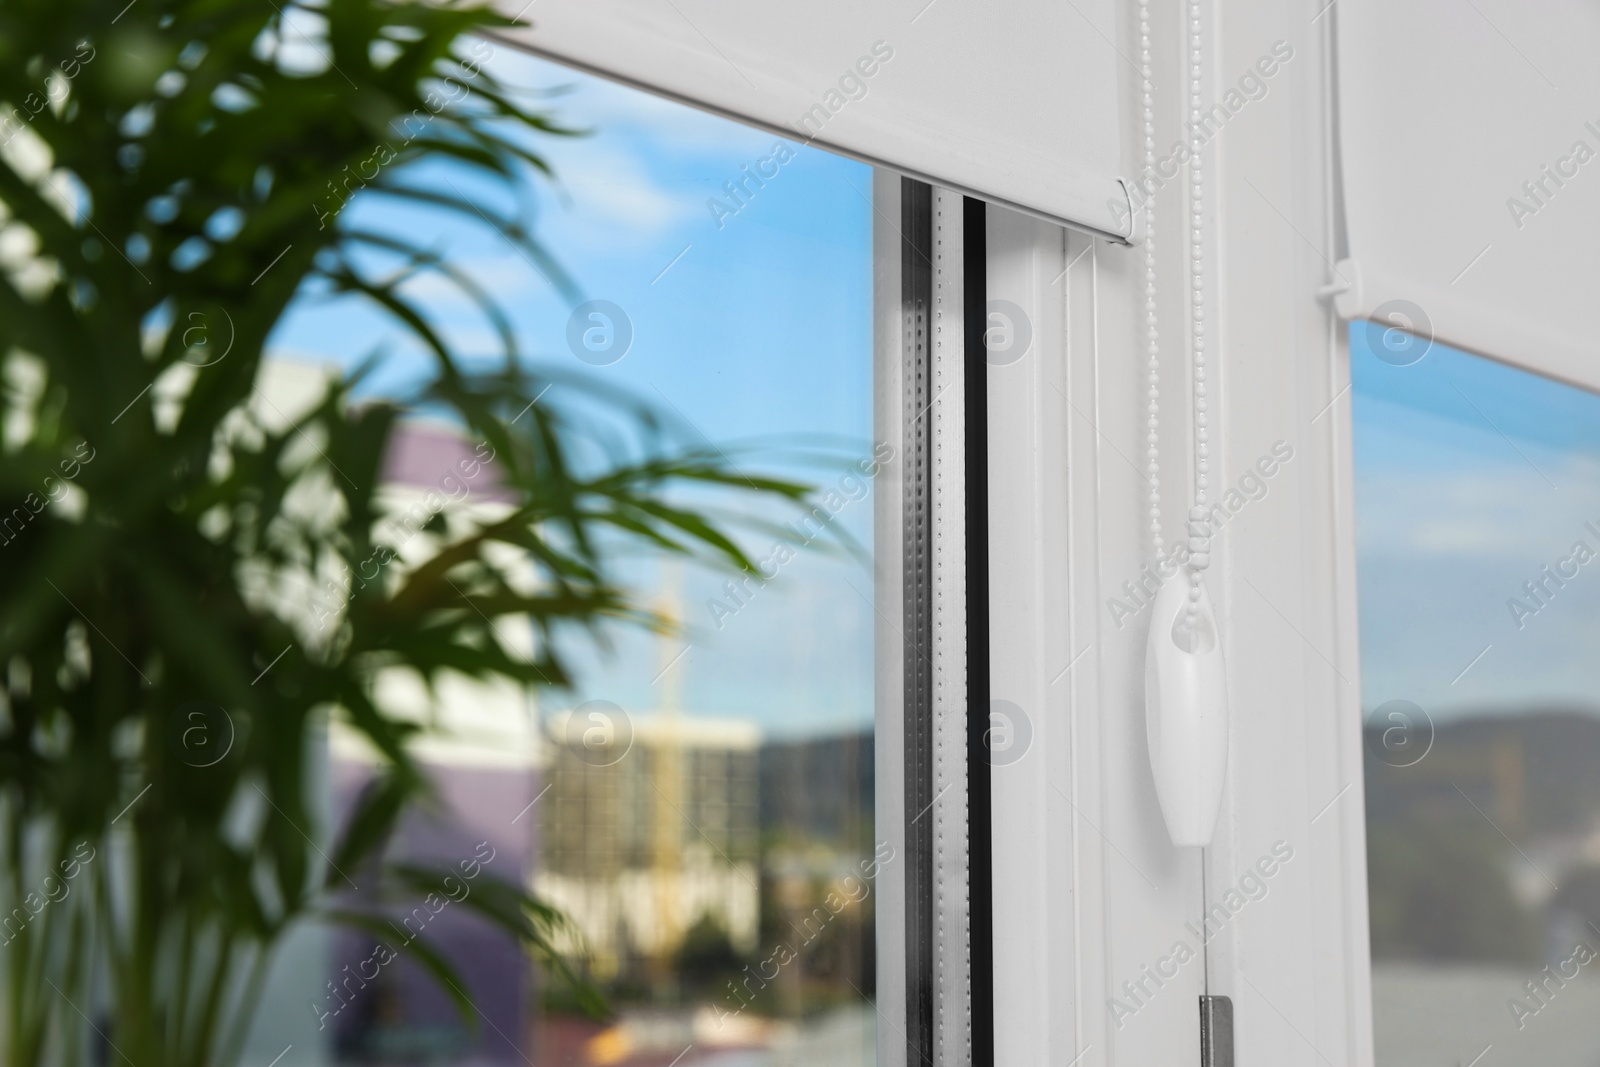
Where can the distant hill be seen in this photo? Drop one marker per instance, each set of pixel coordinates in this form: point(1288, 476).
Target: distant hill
point(1461, 845)
point(1534, 771)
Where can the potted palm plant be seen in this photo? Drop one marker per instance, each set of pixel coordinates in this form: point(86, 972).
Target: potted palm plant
point(172, 174)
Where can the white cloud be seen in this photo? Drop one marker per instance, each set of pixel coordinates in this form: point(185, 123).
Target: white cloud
point(1450, 525)
point(609, 186)
point(1479, 509)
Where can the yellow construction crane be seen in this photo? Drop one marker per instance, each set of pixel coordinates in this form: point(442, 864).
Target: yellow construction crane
point(666, 775)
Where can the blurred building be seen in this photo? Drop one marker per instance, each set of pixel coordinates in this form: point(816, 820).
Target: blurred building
point(817, 834)
point(481, 751)
point(383, 1009)
point(819, 789)
point(647, 834)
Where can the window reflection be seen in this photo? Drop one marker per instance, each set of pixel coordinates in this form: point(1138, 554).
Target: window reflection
point(700, 807)
point(1478, 509)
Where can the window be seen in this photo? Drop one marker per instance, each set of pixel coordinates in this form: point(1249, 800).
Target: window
point(1478, 509)
point(701, 805)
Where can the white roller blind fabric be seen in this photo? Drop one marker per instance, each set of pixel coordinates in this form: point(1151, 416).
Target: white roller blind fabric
point(1470, 139)
point(1015, 102)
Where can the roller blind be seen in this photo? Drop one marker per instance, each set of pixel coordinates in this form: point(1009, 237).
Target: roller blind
point(1470, 141)
point(1014, 102)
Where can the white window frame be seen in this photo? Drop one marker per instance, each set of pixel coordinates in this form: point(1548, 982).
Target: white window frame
point(1088, 892)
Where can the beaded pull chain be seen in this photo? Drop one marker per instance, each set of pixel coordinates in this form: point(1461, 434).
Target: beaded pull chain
point(1185, 675)
point(1152, 337)
point(1198, 528)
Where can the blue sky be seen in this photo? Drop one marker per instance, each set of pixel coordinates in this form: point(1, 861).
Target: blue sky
point(1470, 477)
point(759, 327)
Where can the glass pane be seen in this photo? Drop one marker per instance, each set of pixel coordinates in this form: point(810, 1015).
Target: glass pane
point(699, 806)
point(1478, 509)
